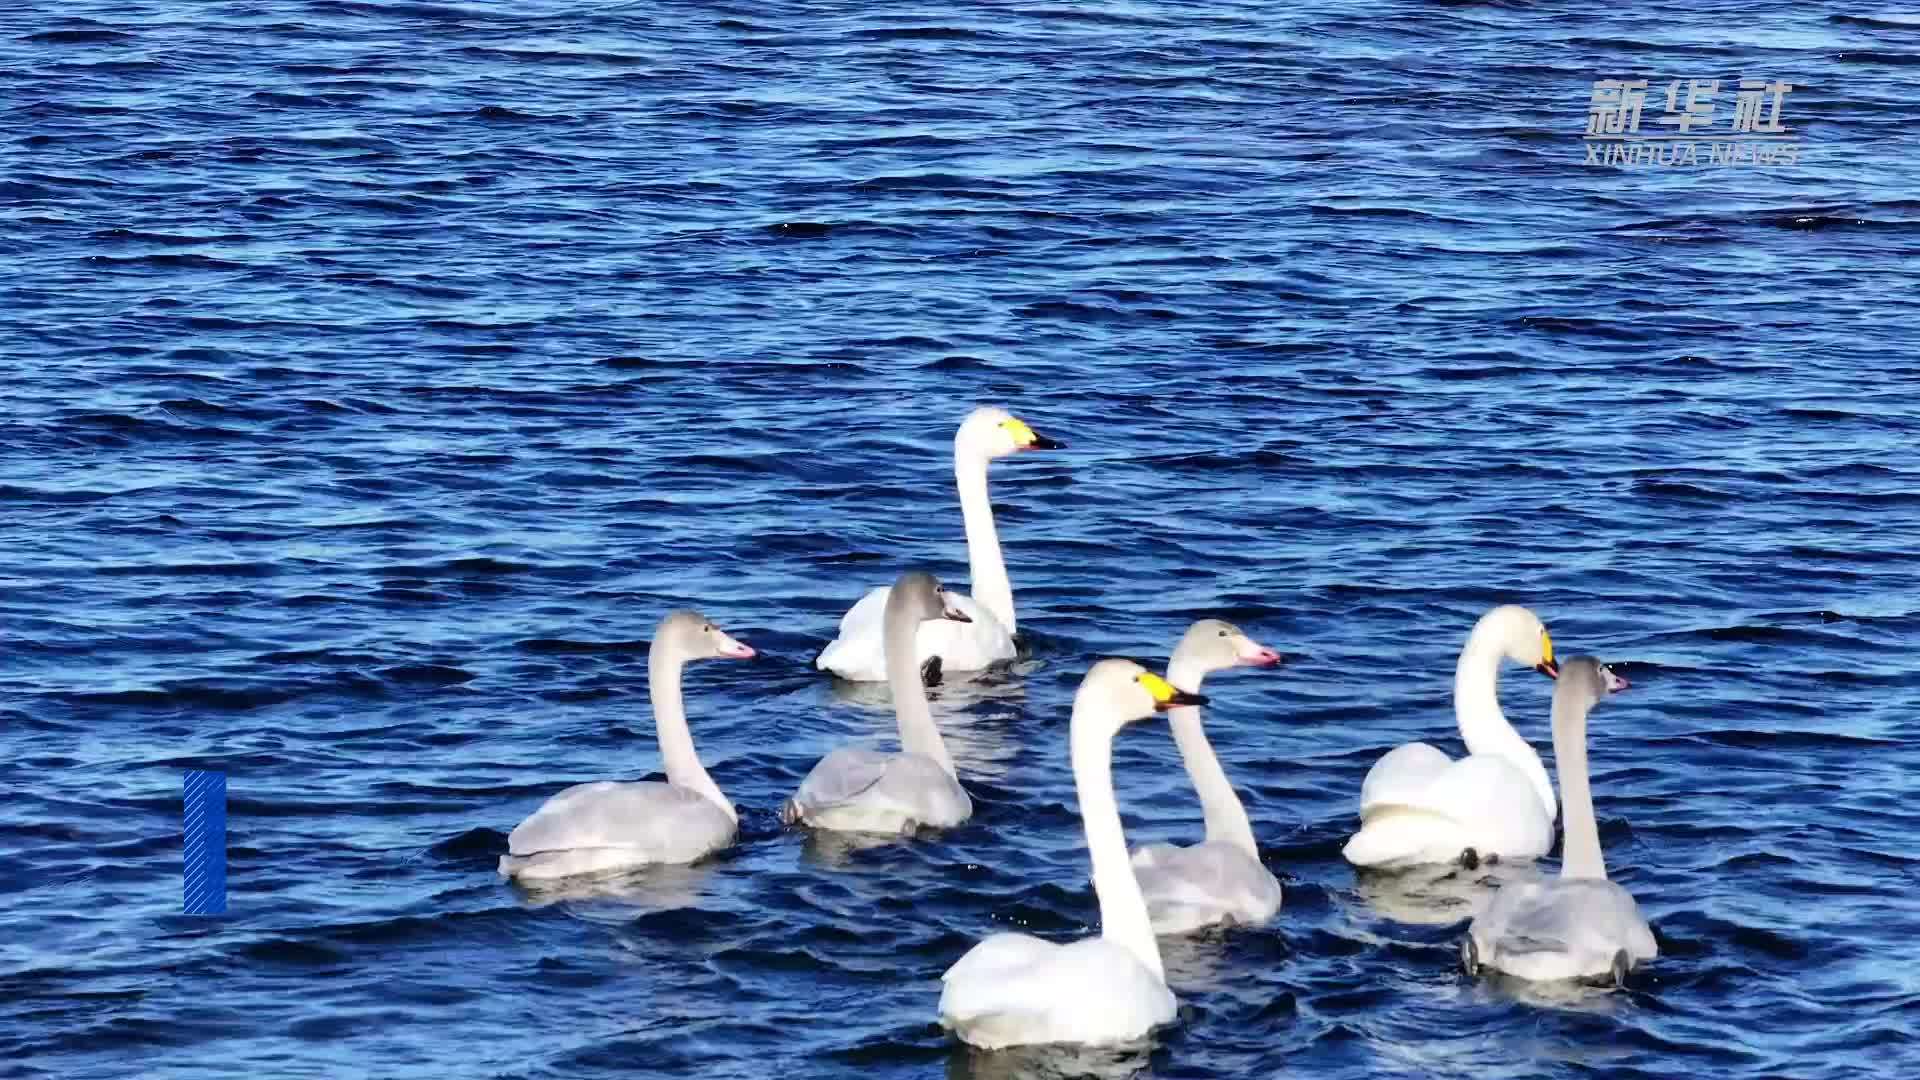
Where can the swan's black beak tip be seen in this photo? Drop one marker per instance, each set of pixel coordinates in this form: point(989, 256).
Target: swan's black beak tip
point(1041, 442)
point(1182, 698)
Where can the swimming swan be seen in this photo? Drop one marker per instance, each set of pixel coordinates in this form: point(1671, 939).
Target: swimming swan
point(1578, 925)
point(1219, 880)
point(1015, 989)
point(589, 828)
point(855, 790)
point(1418, 806)
point(858, 654)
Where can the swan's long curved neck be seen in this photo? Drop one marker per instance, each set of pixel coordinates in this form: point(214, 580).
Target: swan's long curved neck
point(918, 733)
point(1226, 818)
point(664, 667)
point(1580, 855)
point(1123, 910)
point(1483, 726)
point(986, 569)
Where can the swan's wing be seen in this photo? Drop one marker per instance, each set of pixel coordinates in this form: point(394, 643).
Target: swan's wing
point(997, 956)
point(1016, 989)
point(1561, 927)
point(841, 777)
point(916, 786)
point(1481, 802)
point(1205, 879)
point(860, 654)
point(651, 821)
point(1482, 788)
point(868, 614)
point(856, 653)
point(995, 995)
point(1400, 776)
point(860, 789)
point(966, 646)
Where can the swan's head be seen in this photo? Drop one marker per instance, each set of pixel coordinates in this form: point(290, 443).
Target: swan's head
point(1521, 637)
point(1212, 645)
point(921, 597)
point(1587, 681)
point(1120, 692)
point(989, 433)
point(694, 637)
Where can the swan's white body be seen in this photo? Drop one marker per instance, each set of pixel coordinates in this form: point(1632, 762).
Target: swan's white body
point(1016, 989)
point(1562, 928)
point(1578, 925)
point(1205, 884)
point(1419, 806)
point(1221, 879)
point(606, 825)
point(858, 654)
point(868, 791)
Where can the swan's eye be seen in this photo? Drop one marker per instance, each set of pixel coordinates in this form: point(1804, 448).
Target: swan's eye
point(708, 628)
point(1223, 633)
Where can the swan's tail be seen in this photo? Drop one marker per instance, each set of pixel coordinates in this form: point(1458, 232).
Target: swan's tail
point(1403, 836)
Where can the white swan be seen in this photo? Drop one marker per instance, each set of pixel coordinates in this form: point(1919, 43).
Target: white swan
point(859, 653)
point(855, 790)
point(1221, 879)
point(1419, 806)
point(1015, 989)
point(589, 828)
point(1578, 925)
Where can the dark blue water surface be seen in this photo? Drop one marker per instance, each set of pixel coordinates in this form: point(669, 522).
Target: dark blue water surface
point(378, 374)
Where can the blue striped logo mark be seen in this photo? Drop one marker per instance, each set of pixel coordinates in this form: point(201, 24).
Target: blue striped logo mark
point(204, 880)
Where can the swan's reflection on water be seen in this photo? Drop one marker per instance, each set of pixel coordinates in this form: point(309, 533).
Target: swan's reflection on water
point(1598, 997)
point(617, 895)
point(1198, 962)
point(975, 714)
point(1049, 1062)
point(832, 850)
point(1438, 895)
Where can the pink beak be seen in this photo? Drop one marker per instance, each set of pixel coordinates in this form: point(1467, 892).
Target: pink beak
point(1258, 655)
point(737, 650)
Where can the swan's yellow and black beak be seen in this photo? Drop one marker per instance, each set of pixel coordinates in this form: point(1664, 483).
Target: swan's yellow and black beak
point(1546, 666)
point(1025, 438)
point(1166, 695)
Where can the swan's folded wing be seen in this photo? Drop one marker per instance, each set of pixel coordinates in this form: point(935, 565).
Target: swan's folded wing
point(1014, 988)
point(1485, 787)
point(1401, 777)
point(859, 653)
point(868, 614)
point(998, 956)
point(857, 650)
point(1010, 989)
point(841, 777)
point(657, 818)
point(917, 787)
point(1215, 875)
point(1587, 919)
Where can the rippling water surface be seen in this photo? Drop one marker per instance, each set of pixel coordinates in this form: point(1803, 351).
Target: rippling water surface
point(379, 373)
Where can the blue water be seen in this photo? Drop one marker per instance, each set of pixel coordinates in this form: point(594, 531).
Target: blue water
point(377, 374)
